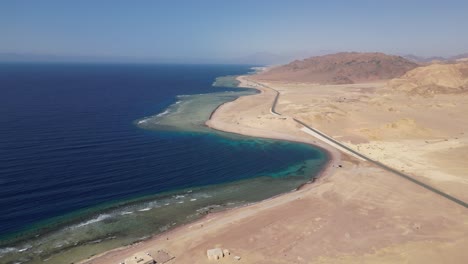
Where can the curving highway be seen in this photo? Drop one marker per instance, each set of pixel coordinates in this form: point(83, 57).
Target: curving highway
point(342, 147)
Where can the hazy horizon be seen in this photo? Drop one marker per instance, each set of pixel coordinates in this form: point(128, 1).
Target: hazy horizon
point(225, 32)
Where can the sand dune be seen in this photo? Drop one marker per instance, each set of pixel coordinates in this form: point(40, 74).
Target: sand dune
point(434, 79)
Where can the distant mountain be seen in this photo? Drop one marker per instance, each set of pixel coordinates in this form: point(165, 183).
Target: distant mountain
point(32, 57)
point(261, 58)
point(341, 68)
point(419, 59)
point(460, 57)
point(268, 58)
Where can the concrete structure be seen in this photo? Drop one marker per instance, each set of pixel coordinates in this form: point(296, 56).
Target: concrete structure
point(215, 253)
point(140, 258)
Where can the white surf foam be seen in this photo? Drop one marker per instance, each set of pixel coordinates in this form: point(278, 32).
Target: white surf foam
point(94, 220)
point(7, 250)
point(24, 249)
point(126, 213)
point(163, 113)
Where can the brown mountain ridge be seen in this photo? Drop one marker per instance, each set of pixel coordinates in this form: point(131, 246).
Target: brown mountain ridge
point(340, 68)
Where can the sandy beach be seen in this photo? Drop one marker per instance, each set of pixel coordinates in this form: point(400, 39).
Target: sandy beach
point(356, 212)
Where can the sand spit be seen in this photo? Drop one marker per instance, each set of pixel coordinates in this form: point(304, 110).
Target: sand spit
point(356, 212)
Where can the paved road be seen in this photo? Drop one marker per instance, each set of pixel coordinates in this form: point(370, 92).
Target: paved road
point(378, 163)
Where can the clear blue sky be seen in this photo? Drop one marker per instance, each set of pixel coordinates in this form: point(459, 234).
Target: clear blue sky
point(220, 29)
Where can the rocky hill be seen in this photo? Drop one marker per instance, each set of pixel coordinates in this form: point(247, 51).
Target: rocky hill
point(340, 68)
point(434, 79)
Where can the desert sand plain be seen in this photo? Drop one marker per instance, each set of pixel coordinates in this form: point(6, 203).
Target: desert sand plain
point(356, 212)
point(416, 124)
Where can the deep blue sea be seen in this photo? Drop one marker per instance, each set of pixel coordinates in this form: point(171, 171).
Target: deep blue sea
point(69, 142)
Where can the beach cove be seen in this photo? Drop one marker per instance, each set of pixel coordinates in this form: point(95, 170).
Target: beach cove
point(267, 98)
point(135, 218)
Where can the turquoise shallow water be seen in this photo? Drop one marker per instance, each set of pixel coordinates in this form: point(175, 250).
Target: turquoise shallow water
point(133, 163)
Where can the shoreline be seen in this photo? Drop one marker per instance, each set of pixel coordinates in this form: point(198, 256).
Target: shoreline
point(329, 151)
point(211, 215)
point(332, 156)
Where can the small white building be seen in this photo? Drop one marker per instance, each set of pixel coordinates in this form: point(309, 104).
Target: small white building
point(140, 258)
